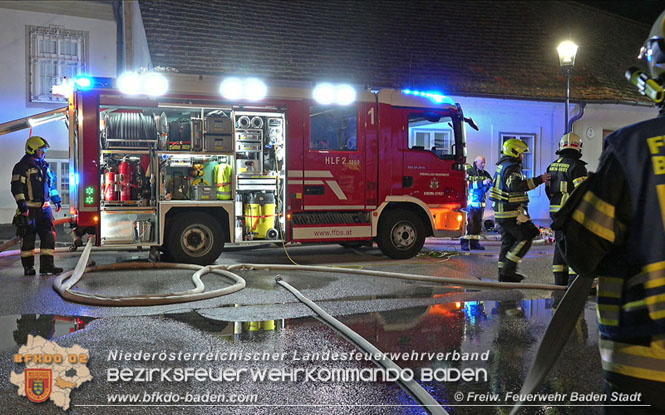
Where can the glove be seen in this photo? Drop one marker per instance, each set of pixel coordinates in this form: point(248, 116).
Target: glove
point(20, 223)
point(58, 206)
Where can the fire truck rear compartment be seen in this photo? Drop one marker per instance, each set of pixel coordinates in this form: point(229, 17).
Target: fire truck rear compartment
point(189, 179)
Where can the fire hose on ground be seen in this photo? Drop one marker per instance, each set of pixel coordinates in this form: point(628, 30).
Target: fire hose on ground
point(65, 282)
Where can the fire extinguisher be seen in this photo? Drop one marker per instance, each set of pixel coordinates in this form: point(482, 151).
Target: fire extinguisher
point(125, 170)
point(110, 192)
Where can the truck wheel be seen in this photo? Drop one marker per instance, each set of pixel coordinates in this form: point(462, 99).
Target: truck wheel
point(401, 234)
point(195, 239)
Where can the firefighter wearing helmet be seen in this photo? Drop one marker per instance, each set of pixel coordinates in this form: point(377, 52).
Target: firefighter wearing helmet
point(614, 228)
point(508, 194)
point(568, 172)
point(33, 186)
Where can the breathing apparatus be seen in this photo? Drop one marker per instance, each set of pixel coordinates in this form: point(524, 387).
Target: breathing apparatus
point(653, 55)
point(645, 84)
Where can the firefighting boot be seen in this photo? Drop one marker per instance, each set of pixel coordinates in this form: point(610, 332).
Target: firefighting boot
point(561, 278)
point(509, 273)
point(46, 265)
point(475, 244)
point(28, 263)
point(464, 243)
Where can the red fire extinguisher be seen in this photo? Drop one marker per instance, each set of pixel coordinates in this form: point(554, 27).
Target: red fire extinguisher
point(110, 191)
point(125, 170)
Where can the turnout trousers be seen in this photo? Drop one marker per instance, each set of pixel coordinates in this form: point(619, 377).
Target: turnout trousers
point(516, 239)
point(39, 222)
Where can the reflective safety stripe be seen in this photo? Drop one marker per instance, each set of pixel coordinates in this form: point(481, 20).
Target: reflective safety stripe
point(558, 268)
point(597, 216)
point(477, 237)
point(644, 362)
point(555, 208)
point(53, 192)
point(36, 204)
point(608, 314)
point(610, 287)
point(510, 197)
point(18, 178)
point(501, 264)
point(579, 180)
point(25, 254)
point(508, 214)
point(514, 255)
point(599, 204)
point(43, 251)
point(531, 184)
point(652, 277)
point(31, 195)
point(563, 186)
point(19, 196)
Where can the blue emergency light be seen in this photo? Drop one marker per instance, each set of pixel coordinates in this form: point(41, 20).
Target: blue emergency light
point(433, 96)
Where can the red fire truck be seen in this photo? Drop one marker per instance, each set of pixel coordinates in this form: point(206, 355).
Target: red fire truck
point(190, 170)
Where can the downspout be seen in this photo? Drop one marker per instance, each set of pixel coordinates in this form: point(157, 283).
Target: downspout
point(119, 13)
point(577, 116)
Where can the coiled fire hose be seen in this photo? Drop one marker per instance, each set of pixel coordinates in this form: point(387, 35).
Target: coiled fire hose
point(63, 283)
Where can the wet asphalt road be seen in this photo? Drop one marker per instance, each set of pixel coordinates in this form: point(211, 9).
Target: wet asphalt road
point(394, 315)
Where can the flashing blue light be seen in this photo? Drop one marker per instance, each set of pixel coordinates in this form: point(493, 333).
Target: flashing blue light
point(433, 96)
point(83, 82)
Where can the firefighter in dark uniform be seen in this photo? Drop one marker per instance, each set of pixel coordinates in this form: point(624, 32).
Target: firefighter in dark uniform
point(33, 186)
point(508, 194)
point(479, 183)
point(568, 171)
point(614, 228)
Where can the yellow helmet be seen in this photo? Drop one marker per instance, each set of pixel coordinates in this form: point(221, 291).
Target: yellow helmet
point(571, 140)
point(514, 147)
point(34, 143)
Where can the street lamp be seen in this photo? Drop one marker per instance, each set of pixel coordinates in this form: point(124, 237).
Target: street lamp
point(567, 50)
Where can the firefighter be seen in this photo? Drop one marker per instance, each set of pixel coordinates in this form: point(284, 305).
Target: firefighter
point(568, 171)
point(479, 183)
point(508, 194)
point(614, 228)
point(33, 186)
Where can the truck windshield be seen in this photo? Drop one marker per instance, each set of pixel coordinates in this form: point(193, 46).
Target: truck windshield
point(432, 132)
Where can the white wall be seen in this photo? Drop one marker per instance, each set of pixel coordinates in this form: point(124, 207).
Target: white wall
point(13, 89)
point(606, 117)
point(141, 54)
point(546, 120)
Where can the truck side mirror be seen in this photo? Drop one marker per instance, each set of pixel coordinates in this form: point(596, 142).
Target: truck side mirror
point(472, 123)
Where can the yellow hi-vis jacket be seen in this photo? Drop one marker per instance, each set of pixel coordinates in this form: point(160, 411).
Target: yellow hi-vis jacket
point(223, 174)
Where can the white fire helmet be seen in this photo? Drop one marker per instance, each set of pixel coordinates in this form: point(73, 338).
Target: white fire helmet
point(571, 140)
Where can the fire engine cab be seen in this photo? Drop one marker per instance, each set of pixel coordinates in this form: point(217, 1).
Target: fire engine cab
point(234, 161)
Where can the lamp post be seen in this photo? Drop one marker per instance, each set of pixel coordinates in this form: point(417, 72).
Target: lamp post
point(567, 50)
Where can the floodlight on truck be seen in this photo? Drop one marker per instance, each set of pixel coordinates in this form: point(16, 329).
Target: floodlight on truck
point(251, 89)
point(147, 83)
point(327, 94)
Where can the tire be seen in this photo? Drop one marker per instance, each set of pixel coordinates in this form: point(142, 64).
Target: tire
point(401, 234)
point(194, 239)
